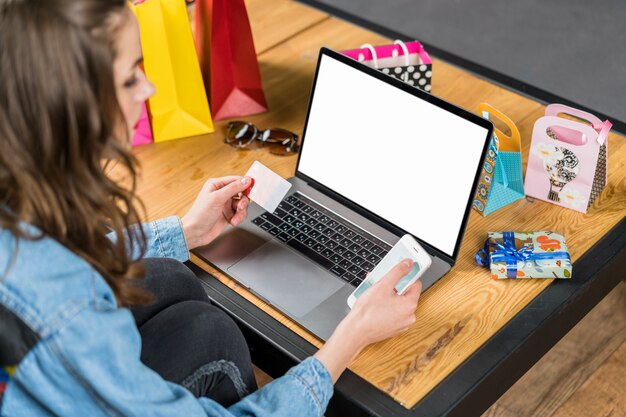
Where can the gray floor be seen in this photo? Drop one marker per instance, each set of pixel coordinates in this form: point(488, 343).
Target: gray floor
point(573, 49)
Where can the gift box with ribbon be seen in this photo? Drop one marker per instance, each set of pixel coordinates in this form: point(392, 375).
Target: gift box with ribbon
point(525, 255)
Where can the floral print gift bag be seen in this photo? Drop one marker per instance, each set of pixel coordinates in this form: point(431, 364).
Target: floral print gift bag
point(567, 164)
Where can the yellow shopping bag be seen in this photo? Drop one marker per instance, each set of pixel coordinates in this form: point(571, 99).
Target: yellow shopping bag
point(180, 107)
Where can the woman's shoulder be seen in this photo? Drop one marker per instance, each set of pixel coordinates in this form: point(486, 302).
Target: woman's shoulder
point(45, 282)
point(54, 308)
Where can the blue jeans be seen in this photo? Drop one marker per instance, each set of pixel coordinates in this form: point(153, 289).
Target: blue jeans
point(189, 341)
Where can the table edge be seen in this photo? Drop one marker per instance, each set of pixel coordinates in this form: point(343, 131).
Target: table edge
point(482, 378)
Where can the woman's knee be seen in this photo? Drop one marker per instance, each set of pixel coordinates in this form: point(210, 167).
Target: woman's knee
point(221, 328)
point(199, 344)
point(171, 279)
point(230, 377)
point(200, 329)
point(225, 346)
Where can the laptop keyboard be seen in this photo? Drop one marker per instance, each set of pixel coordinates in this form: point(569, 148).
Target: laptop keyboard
point(324, 237)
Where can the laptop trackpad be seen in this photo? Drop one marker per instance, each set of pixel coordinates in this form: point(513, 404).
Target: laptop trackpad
point(285, 279)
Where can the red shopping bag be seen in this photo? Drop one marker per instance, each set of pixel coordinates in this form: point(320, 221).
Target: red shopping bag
point(228, 58)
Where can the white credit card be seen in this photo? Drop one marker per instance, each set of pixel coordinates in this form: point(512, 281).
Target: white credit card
point(269, 188)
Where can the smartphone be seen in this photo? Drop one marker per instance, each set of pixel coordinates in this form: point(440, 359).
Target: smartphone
point(407, 247)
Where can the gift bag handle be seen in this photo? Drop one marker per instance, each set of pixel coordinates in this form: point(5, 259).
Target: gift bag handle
point(372, 50)
point(405, 50)
point(545, 122)
point(386, 51)
point(499, 164)
point(511, 143)
point(555, 109)
point(602, 128)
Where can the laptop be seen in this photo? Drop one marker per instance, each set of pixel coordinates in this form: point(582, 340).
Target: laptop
point(378, 159)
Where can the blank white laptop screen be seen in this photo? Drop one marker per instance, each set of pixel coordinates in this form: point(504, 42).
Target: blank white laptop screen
point(400, 157)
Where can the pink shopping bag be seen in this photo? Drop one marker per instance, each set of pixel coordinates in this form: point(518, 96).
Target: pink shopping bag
point(143, 133)
point(567, 164)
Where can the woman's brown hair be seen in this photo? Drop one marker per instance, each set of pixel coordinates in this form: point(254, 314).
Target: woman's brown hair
point(59, 129)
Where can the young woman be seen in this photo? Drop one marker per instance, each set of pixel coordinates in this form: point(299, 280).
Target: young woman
point(71, 260)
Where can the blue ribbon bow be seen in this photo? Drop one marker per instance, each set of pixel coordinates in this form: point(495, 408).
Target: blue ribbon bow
point(507, 252)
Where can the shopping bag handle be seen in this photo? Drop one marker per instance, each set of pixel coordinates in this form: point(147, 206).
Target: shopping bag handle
point(373, 52)
point(586, 131)
point(412, 47)
point(555, 109)
point(405, 50)
point(499, 164)
point(368, 52)
point(511, 143)
point(602, 128)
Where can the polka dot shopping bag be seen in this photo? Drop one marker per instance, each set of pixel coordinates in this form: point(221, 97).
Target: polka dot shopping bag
point(408, 61)
point(567, 164)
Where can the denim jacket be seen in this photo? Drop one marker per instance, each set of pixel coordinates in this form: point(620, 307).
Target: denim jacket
point(67, 349)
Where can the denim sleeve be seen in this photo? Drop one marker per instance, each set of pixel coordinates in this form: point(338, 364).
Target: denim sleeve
point(164, 239)
point(304, 391)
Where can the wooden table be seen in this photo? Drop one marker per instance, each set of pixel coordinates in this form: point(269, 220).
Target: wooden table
point(473, 336)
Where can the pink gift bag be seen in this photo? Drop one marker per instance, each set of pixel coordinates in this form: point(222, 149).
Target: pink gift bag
point(143, 133)
point(567, 164)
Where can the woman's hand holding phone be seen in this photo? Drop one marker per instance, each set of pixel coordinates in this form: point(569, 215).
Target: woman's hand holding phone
point(406, 247)
point(380, 313)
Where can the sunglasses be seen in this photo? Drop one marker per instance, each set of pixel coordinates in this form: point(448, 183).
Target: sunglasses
point(246, 135)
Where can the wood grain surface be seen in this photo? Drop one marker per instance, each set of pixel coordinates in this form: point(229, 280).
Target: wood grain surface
point(465, 308)
point(609, 400)
point(565, 370)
